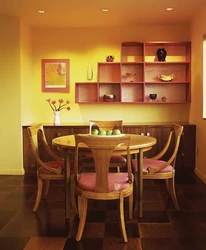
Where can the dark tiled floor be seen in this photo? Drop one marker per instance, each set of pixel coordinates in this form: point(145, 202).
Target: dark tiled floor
point(161, 228)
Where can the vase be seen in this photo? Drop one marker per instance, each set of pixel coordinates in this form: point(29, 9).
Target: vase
point(89, 72)
point(56, 118)
point(161, 54)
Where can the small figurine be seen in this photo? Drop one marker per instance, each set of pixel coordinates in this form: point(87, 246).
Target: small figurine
point(164, 99)
point(131, 76)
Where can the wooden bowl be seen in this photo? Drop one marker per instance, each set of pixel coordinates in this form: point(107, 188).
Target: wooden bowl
point(109, 98)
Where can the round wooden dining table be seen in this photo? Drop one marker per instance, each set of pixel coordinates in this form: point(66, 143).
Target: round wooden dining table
point(138, 145)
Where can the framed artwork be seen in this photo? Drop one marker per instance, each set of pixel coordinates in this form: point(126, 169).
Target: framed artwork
point(55, 75)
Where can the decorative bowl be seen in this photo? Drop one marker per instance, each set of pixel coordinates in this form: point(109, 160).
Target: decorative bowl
point(109, 98)
point(166, 78)
point(153, 96)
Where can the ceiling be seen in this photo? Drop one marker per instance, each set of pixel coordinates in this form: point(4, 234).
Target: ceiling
point(84, 13)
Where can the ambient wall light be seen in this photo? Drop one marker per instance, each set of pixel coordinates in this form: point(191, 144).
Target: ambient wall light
point(41, 11)
point(169, 9)
point(104, 10)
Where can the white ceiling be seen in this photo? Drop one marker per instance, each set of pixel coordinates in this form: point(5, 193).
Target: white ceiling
point(84, 13)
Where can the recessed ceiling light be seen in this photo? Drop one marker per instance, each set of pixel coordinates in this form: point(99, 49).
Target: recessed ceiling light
point(104, 10)
point(169, 8)
point(41, 11)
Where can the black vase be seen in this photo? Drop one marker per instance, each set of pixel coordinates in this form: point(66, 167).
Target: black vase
point(161, 54)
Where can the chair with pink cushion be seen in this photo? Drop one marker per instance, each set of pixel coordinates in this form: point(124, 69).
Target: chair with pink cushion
point(156, 168)
point(102, 184)
point(49, 165)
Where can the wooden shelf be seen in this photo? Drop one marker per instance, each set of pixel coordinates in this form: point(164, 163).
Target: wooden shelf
point(141, 61)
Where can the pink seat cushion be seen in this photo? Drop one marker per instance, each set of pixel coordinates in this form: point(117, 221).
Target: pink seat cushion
point(151, 163)
point(114, 159)
point(55, 164)
point(87, 181)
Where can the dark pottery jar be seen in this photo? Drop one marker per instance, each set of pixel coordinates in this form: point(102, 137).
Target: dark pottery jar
point(161, 54)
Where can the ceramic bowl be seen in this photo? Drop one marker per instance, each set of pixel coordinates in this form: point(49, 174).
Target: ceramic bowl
point(166, 78)
point(153, 96)
point(109, 98)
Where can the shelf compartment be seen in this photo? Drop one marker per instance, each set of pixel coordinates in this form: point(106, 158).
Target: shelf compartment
point(176, 51)
point(109, 72)
point(137, 68)
point(153, 70)
point(110, 88)
point(132, 92)
point(86, 92)
point(132, 52)
point(175, 93)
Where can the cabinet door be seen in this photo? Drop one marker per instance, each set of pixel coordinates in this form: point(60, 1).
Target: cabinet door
point(186, 157)
point(52, 132)
point(158, 132)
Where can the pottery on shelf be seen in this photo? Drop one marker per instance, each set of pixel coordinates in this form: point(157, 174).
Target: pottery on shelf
point(166, 78)
point(109, 98)
point(164, 99)
point(161, 54)
point(153, 96)
point(110, 58)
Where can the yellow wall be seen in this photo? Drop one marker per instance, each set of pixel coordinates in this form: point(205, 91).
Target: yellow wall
point(10, 97)
point(22, 101)
point(83, 46)
point(198, 28)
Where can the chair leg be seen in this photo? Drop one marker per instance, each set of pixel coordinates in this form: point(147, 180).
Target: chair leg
point(168, 187)
point(39, 193)
point(82, 205)
point(135, 191)
point(131, 206)
point(72, 193)
point(45, 188)
point(173, 193)
point(123, 229)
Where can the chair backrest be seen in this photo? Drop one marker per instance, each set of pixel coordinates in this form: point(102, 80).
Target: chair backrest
point(176, 132)
point(102, 149)
point(106, 125)
point(37, 137)
point(33, 136)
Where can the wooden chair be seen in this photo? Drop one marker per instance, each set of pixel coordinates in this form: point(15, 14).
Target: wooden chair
point(47, 170)
point(103, 185)
point(156, 168)
point(117, 161)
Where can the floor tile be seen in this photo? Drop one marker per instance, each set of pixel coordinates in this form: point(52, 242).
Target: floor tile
point(42, 243)
point(161, 244)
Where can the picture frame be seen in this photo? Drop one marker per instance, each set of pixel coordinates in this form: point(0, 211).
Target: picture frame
point(55, 75)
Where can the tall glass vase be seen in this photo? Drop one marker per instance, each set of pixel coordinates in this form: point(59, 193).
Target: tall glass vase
point(56, 118)
point(89, 72)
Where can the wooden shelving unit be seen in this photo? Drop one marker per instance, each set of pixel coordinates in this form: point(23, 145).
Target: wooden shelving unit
point(140, 60)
